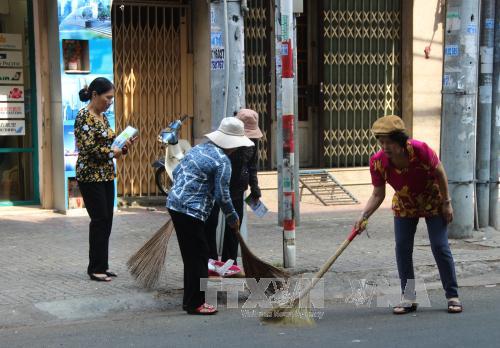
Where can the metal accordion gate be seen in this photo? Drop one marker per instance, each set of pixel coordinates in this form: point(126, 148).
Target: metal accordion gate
point(153, 81)
point(361, 76)
point(258, 71)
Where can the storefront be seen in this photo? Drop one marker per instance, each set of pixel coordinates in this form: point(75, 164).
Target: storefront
point(18, 114)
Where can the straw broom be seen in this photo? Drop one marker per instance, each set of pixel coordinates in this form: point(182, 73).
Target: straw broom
point(147, 264)
point(291, 312)
point(255, 267)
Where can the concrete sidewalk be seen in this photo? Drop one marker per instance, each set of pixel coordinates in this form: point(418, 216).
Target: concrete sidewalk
point(43, 258)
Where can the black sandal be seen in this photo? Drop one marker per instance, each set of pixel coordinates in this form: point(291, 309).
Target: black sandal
point(99, 278)
point(454, 303)
point(404, 308)
point(111, 274)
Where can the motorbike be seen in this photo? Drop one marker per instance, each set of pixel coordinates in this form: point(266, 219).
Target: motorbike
point(175, 149)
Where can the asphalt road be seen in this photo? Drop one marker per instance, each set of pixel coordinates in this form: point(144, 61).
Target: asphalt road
point(342, 325)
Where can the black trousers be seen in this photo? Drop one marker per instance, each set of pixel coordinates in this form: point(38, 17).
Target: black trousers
point(194, 251)
point(211, 232)
point(99, 202)
point(230, 246)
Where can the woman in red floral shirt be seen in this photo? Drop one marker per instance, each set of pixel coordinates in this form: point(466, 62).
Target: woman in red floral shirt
point(413, 169)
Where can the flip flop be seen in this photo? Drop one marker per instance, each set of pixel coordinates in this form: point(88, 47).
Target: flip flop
point(404, 308)
point(99, 278)
point(204, 309)
point(454, 303)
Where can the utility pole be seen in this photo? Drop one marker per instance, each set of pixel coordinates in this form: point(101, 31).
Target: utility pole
point(227, 73)
point(458, 119)
point(495, 129)
point(285, 129)
point(486, 41)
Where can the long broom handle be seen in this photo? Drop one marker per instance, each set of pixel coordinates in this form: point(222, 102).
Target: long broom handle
point(329, 263)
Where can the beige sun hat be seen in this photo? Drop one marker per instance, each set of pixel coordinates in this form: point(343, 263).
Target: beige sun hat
point(388, 124)
point(230, 134)
point(250, 119)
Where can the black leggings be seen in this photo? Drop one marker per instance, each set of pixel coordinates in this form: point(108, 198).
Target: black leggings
point(194, 250)
point(99, 202)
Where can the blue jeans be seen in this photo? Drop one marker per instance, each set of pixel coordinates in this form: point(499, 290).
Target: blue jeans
point(405, 229)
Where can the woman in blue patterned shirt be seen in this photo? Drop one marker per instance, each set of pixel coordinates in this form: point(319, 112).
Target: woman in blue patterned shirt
point(201, 178)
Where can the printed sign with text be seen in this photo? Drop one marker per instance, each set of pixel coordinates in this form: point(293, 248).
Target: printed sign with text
point(11, 41)
point(11, 110)
point(11, 76)
point(11, 59)
point(12, 127)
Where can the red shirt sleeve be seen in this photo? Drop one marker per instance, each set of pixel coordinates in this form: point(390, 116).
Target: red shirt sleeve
point(376, 171)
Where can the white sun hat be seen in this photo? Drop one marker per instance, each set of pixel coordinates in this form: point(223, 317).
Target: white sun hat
point(230, 134)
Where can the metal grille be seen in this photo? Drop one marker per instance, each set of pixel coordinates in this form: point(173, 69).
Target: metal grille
point(361, 74)
point(258, 72)
point(153, 74)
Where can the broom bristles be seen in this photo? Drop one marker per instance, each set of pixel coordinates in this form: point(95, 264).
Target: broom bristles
point(147, 264)
point(291, 313)
point(257, 268)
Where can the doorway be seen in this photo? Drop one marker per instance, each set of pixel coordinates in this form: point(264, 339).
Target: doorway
point(153, 65)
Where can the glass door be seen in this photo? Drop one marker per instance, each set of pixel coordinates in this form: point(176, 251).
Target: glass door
point(18, 131)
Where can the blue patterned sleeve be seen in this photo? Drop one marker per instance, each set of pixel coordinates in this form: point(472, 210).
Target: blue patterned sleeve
point(222, 196)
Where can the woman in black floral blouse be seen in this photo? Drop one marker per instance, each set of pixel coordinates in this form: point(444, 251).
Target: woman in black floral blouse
point(95, 171)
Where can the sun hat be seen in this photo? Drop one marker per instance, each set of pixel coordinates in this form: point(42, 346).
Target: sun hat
point(388, 124)
point(230, 134)
point(250, 119)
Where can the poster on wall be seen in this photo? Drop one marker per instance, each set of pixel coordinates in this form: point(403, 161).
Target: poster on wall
point(70, 149)
point(11, 41)
point(85, 20)
point(11, 76)
point(12, 127)
point(11, 110)
point(11, 93)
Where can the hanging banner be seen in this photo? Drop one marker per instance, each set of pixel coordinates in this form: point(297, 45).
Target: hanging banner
point(11, 76)
point(11, 93)
point(11, 41)
point(11, 59)
point(11, 110)
point(12, 127)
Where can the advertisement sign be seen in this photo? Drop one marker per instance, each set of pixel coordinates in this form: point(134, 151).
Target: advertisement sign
point(11, 110)
point(11, 41)
point(11, 59)
point(217, 51)
point(11, 76)
point(11, 93)
point(12, 127)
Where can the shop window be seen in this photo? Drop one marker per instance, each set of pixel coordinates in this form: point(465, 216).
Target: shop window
point(18, 149)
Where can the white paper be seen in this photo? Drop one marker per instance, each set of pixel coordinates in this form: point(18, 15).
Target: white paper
point(257, 207)
point(127, 134)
